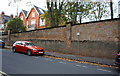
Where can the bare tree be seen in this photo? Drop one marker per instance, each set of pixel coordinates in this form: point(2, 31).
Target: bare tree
point(111, 8)
point(13, 3)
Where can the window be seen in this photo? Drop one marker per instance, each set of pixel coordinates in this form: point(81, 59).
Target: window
point(33, 14)
point(19, 43)
point(21, 17)
point(27, 24)
point(29, 44)
point(42, 22)
point(33, 22)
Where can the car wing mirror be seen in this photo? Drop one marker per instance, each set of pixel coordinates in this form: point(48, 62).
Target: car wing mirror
point(24, 45)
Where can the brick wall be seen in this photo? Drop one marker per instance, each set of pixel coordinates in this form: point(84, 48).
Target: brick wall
point(97, 39)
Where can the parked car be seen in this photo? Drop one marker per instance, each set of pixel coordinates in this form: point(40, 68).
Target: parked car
point(117, 62)
point(2, 43)
point(27, 47)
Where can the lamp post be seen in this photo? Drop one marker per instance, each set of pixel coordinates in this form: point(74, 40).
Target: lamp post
point(78, 35)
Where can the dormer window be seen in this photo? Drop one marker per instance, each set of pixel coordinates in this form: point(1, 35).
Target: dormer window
point(33, 14)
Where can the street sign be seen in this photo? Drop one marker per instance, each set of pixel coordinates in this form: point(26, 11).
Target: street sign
point(78, 34)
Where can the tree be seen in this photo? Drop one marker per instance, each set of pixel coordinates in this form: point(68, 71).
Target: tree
point(77, 10)
point(55, 15)
point(14, 3)
point(15, 25)
point(99, 11)
point(111, 8)
point(61, 11)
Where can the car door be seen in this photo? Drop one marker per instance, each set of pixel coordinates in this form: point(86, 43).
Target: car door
point(17, 46)
point(23, 47)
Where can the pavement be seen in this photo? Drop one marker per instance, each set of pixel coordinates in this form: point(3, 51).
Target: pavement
point(103, 61)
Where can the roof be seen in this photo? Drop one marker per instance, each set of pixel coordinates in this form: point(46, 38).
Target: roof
point(39, 10)
point(25, 12)
point(6, 18)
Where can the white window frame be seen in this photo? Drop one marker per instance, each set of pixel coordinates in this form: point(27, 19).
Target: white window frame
point(42, 22)
point(21, 17)
point(33, 14)
point(33, 22)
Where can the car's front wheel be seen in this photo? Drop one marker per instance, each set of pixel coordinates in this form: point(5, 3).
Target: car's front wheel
point(14, 50)
point(29, 53)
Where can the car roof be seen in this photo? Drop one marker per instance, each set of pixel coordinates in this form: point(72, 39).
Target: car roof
point(22, 41)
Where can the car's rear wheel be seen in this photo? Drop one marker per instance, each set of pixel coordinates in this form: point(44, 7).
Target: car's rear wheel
point(14, 50)
point(29, 53)
point(3, 46)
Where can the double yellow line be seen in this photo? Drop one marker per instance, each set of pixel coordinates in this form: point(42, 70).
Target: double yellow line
point(84, 62)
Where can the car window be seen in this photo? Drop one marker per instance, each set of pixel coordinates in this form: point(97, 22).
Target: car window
point(19, 43)
point(29, 44)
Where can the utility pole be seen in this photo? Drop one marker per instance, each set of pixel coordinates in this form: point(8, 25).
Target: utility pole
point(111, 8)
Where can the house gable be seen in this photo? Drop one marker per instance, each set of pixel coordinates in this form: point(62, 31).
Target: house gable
point(23, 17)
point(33, 19)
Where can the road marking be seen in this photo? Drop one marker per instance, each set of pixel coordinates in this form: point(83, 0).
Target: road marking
point(84, 66)
point(3, 73)
point(81, 62)
point(63, 62)
point(78, 65)
point(81, 66)
point(104, 70)
point(36, 57)
point(48, 59)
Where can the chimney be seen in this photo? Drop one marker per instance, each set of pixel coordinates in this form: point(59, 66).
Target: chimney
point(11, 15)
point(16, 16)
point(3, 13)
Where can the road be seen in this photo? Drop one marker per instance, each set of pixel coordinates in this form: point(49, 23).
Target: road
point(17, 63)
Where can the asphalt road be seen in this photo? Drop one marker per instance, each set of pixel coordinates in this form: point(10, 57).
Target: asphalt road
point(17, 63)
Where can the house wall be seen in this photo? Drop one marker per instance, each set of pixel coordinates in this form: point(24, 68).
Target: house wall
point(24, 19)
point(44, 26)
point(97, 39)
point(29, 18)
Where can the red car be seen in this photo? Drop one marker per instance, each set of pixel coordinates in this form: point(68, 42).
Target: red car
point(27, 47)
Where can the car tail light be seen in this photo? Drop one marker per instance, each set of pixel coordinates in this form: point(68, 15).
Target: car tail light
point(118, 54)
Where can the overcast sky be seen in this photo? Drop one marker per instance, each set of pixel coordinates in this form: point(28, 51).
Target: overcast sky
point(40, 3)
point(21, 5)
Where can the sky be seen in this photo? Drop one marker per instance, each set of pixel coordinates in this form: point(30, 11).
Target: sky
point(25, 4)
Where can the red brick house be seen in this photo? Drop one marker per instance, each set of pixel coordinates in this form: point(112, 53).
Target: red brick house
point(33, 19)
